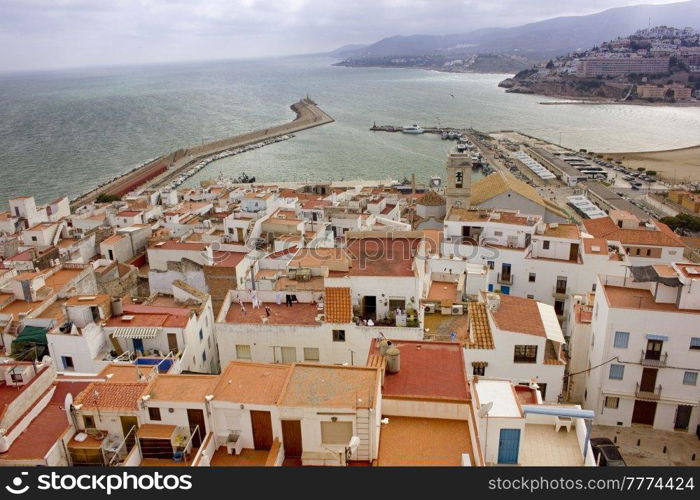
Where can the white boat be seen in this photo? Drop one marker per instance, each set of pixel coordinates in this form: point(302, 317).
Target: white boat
point(412, 129)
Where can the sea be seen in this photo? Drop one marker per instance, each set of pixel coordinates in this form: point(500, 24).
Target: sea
point(64, 132)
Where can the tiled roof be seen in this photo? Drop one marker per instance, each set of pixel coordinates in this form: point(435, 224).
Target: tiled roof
point(500, 182)
point(338, 303)
point(605, 227)
point(520, 315)
point(331, 386)
point(479, 329)
point(111, 396)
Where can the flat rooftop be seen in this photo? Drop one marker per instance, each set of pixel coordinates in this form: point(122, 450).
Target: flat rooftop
point(501, 394)
point(382, 256)
point(280, 314)
point(444, 292)
point(252, 383)
point(331, 386)
point(428, 370)
point(638, 298)
point(407, 441)
point(182, 387)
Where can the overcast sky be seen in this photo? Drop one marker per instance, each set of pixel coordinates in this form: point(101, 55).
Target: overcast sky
point(64, 33)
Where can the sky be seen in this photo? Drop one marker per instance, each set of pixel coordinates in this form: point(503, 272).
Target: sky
point(45, 34)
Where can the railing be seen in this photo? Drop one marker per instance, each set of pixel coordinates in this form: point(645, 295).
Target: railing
point(559, 291)
point(655, 393)
point(122, 451)
point(655, 359)
point(505, 280)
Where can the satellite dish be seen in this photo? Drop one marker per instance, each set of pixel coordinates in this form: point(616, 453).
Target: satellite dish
point(485, 409)
point(436, 181)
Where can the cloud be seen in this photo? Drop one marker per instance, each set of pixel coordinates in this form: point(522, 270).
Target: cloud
point(56, 33)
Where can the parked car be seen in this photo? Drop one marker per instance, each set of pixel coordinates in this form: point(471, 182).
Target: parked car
point(606, 453)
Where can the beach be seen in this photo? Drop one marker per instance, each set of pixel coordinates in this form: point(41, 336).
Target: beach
point(674, 165)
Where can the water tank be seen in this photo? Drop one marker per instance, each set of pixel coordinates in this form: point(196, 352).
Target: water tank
point(393, 360)
point(117, 306)
point(384, 344)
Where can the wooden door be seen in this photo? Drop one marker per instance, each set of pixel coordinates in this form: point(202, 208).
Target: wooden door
point(644, 412)
point(196, 419)
point(573, 252)
point(261, 422)
point(648, 382)
point(682, 420)
point(291, 435)
point(172, 343)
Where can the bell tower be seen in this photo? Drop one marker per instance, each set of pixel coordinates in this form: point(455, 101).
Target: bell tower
point(459, 180)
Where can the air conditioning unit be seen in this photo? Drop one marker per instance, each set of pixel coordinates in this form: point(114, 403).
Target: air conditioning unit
point(430, 308)
point(457, 309)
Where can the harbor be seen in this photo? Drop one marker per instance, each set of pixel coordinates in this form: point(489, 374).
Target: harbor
point(173, 168)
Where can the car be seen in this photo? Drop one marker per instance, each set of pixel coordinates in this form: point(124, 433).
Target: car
point(606, 453)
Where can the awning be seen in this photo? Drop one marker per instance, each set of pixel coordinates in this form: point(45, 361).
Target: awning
point(480, 364)
point(136, 333)
point(662, 338)
point(552, 328)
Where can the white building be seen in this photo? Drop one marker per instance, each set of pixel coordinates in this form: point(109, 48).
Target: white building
point(643, 365)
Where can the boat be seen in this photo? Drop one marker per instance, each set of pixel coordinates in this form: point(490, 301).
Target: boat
point(461, 147)
point(412, 129)
point(444, 136)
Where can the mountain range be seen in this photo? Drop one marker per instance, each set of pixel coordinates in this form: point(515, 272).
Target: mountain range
point(538, 40)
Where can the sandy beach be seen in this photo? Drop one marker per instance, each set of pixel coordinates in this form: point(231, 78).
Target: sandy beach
point(672, 165)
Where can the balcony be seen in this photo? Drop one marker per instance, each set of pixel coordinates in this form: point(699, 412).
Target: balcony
point(505, 279)
point(560, 292)
point(654, 359)
point(654, 393)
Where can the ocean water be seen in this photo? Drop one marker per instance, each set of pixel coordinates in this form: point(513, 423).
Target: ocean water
point(63, 132)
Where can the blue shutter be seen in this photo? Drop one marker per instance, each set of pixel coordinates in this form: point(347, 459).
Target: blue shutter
point(622, 340)
point(508, 446)
point(617, 372)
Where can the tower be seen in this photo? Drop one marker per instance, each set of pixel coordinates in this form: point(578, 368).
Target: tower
point(459, 180)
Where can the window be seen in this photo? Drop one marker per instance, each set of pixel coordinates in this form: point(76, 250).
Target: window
point(545, 245)
point(336, 432)
point(612, 402)
point(17, 378)
point(311, 354)
point(531, 278)
point(201, 334)
point(397, 303)
point(479, 370)
point(338, 335)
point(490, 264)
point(616, 372)
point(204, 356)
point(622, 340)
point(525, 354)
point(154, 413)
point(498, 233)
point(593, 287)
point(33, 238)
point(695, 343)
point(89, 422)
point(690, 378)
point(530, 296)
point(243, 351)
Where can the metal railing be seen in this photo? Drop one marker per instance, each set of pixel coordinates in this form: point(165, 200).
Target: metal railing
point(507, 280)
point(651, 358)
point(122, 451)
point(655, 393)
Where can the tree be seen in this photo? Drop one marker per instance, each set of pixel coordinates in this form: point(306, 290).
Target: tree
point(107, 198)
point(641, 169)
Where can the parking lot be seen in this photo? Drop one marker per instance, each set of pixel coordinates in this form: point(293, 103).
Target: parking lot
point(680, 446)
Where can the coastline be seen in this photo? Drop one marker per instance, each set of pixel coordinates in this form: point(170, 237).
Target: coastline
point(165, 168)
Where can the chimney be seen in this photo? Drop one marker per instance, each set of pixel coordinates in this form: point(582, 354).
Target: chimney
point(393, 360)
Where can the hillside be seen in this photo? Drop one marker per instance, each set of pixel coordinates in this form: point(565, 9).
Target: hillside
point(534, 41)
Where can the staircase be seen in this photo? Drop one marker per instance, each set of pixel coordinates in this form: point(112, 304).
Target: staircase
point(363, 432)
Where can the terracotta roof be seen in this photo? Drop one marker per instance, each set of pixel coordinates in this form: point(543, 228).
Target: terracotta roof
point(429, 370)
point(252, 383)
point(338, 304)
point(500, 182)
point(331, 386)
point(479, 329)
point(569, 231)
point(606, 228)
point(111, 396)
point(520, 315)
point(600, 243)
